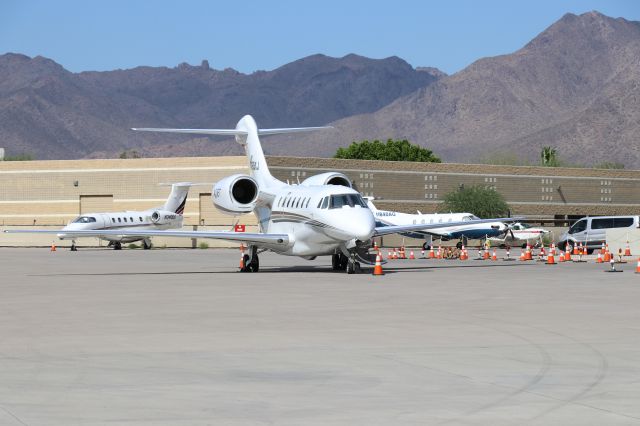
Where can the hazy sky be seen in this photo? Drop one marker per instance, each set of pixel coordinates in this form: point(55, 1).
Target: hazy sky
point(254, 35)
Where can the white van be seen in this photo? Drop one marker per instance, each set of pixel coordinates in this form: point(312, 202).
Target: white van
point(592, 231)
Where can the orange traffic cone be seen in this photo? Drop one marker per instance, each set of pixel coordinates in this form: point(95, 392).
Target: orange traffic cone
point(567, 255)
point(53, 246)
point(494, 256)
point(241, 257)
point(411, 256)
point(575, 249)
point(599, 258)
point(638, 267)
point(553, 249)
point(486, 256)
point(431, 253)
point(527, 253)
point(439, 253)
point(627, 249)
point(463, 253)
point(377, 269)
point(551, 260)
point(607, 255)
point(523, 256)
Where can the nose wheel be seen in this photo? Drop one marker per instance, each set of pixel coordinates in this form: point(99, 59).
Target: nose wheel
point(73, 246)
point(340, 262)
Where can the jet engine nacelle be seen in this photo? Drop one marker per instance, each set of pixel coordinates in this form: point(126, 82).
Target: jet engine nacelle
point(235, 194)
point(329, 178)
point(164, 217)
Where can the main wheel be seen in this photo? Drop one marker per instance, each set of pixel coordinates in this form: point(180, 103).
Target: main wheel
point(117, 245)
point(351, 268)
point(245, 260)
point(426, 246)
point(459, 245)
point(146, 244)
point(356, 268)
point(255, 264)
point(335, 262)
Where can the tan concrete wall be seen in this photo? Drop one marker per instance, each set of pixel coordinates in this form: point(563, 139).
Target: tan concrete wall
point(48, 193)
point(538, 191)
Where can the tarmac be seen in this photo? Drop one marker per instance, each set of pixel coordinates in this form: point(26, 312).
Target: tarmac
point(179, 337)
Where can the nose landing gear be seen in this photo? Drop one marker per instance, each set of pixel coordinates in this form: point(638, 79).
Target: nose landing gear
point(340, 262)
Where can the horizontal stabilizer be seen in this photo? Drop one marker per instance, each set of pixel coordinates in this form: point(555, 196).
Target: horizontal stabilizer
point(232, 132)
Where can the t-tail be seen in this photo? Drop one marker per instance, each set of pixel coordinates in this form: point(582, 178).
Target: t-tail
point(178, 197)
point(246, 134)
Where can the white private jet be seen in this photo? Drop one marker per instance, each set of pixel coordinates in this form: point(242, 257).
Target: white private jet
point(448, 226)
point(520, 233)
point(321, 216)
point(167, 216)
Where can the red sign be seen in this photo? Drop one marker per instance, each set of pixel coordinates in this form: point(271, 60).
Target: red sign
point(240, 228)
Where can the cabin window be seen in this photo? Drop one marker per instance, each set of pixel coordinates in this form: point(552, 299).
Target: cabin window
point(113, 219)
point(306, 206)
point(320, 202)
point(298, 202)
point(125, 219)
point(119, 220)
point(140, 218)
point(131, 219)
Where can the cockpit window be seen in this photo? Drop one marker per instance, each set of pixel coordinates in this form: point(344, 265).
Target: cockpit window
point(340, 200)
point(85, 219)
point(325, 202)
point(470, 217)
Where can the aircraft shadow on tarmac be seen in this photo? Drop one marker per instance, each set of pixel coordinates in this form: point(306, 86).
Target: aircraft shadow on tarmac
point(309, 269)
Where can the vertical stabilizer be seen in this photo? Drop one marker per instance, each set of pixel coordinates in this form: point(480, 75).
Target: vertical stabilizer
point(177, 198)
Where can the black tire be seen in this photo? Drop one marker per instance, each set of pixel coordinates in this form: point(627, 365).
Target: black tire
point(255, 264)
point(145, 245)
point(344, 261)
point(351, 268)
point(459, 245)
point(117, 245)
point(357, 268)
point(524, 245)
point(426, 246)
point(335, 262)
point(246, 268)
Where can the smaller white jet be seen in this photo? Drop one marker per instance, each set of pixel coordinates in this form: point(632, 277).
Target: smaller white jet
point(167, 216)
point(476, 229)
point(520, 234)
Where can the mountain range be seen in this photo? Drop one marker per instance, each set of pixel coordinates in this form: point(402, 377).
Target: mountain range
point(575, 86)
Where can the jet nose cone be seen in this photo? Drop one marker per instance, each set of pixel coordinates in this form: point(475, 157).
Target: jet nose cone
point(363, 226)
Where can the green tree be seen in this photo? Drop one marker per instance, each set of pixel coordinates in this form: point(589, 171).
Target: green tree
point(549, 157)
point(130, 153)
point(19, 157)
point(482, 202)
point(392, 150)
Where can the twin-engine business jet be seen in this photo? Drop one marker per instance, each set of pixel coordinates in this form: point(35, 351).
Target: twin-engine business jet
point(323, 215)
point(462, 226)
point(167, 216)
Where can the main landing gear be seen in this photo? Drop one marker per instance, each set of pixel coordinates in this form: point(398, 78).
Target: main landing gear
point(146, 244)
point(340, 262)
point(73, 246)
point(117, 245)
point(251, 260)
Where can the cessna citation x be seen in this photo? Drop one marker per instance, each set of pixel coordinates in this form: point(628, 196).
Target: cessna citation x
point(322, 215)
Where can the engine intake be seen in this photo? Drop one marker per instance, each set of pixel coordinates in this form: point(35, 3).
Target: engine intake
point(162, 217)
point(329, 178)
point(236, 194)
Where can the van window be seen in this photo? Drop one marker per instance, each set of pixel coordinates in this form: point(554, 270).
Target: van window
point(579, 226)
point(622, 222)
point(602, 223)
